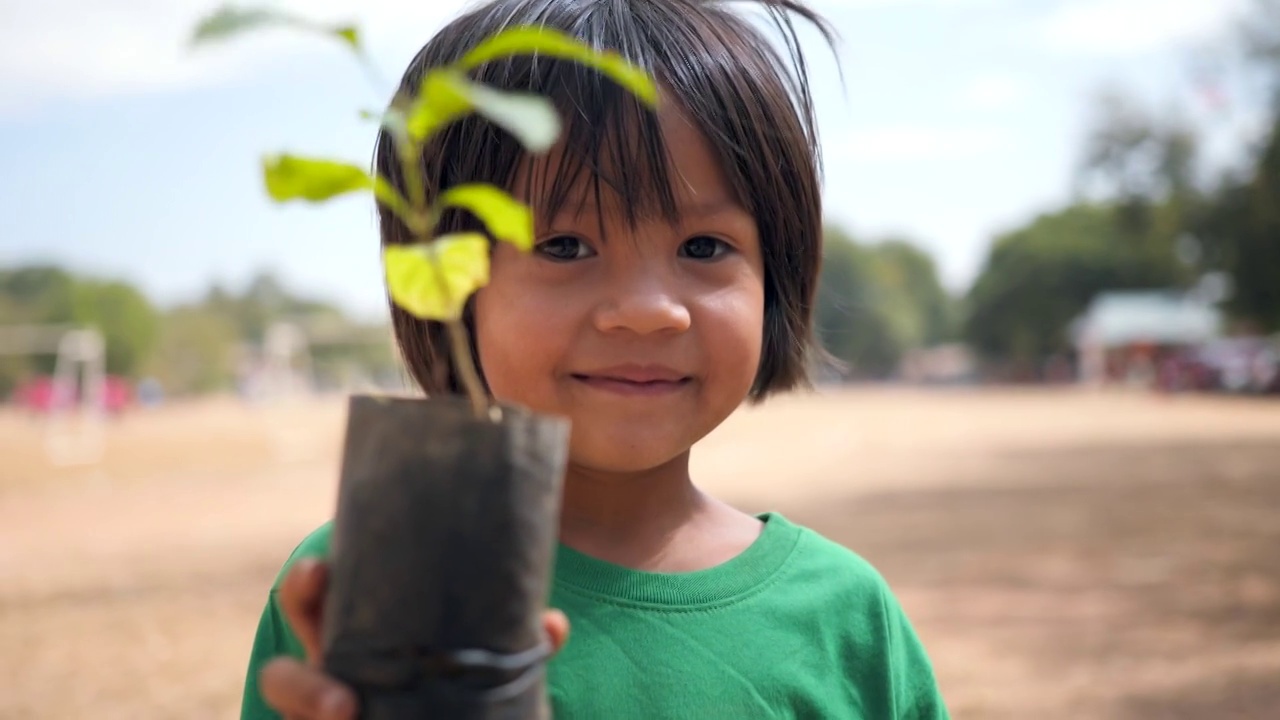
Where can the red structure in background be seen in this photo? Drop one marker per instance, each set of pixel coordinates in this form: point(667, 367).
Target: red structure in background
point(41, 395)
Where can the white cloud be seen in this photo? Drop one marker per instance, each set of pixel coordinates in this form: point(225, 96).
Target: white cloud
point(58, 49)
point(993, 91)
point(898, 143)
point(1123, 27)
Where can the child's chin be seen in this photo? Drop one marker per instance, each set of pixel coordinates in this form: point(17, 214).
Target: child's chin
point(625, 454)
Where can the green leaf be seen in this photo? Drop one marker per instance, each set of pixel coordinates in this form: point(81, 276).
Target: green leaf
point(349, 34)
point(442, 98)
point(390, 197)
point(447, 95)
point(434, 280)
point(229, 21)
point(506, 218)
point(392, 120)
point(532, 119)
point(545, 41)
point(289, 177)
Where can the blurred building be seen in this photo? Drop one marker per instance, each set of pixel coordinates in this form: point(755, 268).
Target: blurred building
point(1126, 337)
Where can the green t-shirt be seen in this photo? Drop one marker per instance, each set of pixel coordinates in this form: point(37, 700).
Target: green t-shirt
point(796, 626)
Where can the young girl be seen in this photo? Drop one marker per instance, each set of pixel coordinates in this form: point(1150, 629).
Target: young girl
point(672, 279)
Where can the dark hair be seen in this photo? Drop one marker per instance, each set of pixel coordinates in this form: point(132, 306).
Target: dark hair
point(751, 102)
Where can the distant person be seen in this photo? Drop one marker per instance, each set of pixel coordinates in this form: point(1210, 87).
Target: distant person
point(683, 287)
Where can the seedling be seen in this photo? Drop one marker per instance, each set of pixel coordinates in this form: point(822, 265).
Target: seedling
point(433, 277)
point(447, 508)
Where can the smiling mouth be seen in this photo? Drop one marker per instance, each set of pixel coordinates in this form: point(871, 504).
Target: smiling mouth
point(634, 384)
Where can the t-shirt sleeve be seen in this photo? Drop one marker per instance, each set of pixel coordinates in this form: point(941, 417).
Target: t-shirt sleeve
point(914, 688)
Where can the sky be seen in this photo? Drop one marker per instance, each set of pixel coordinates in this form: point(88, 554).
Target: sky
point(126, 154)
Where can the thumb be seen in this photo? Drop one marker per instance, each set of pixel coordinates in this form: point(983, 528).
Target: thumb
point(302, 600)
point(556, 625)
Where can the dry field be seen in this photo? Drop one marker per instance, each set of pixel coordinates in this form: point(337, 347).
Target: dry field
point(1064, 554)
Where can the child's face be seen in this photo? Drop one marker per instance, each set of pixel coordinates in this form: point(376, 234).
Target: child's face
point(646, 341)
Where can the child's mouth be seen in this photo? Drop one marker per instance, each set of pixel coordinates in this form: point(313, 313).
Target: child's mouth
point(635, 380)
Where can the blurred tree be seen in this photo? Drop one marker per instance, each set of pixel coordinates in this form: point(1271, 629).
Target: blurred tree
point(264, 300)
point(877, 302)
point(37, 294)
point(923, 313)
point(1133, 227)
point(193, 348)
point(1147, 169)
point(1242, 238)
point(128, 322)
point(44, 294)
point(340, 349)
point(1037, 279)
point(1240, 228)
point(197, 351)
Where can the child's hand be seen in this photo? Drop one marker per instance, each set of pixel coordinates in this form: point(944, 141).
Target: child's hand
point(301, 691)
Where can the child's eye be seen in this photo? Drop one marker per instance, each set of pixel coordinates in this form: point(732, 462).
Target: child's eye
point(703, 247)
point(563, 248)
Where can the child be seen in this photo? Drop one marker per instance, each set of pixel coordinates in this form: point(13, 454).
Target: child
point(672, 279)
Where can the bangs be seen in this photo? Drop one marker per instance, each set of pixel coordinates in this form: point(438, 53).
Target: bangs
point(612, 155)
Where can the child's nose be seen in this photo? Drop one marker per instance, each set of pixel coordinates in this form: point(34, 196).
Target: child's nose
point(642, 304)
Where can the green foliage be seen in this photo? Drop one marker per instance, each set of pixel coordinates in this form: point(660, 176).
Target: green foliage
point(1131, 156)
point(1241, 233)
point(44, 295)
point(1039, 278)
point(507, 219)
point(196, 352)
point(446, 95)
point(289, 177)
point(264, 300)
point(35, 295)
point(921, 310)
point(428, 279)
point(127, 320)
point(877, 302)
point(435, 282)
point(229, 21)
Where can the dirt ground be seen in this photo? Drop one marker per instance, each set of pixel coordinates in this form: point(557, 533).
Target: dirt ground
point(1064, 554)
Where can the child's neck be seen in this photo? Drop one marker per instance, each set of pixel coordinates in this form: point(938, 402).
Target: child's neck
point(655, 520)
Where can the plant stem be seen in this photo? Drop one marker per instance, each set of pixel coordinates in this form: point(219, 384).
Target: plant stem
point(466, 367)
point(459, 345)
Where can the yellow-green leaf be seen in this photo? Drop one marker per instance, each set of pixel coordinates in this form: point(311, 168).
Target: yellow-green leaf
point(349, 34)
point(545, 41)
point(229, 21)
point(289, 177)
point(393, 121)
point(434, 280)
point(532, 119)
point(506, 218)
point(442, 98)
point(389, 196)
point(447, 95)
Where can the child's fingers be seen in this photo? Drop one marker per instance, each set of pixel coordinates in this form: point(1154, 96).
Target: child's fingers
point(557, 627)
point(302, 599)
point(299, 692)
